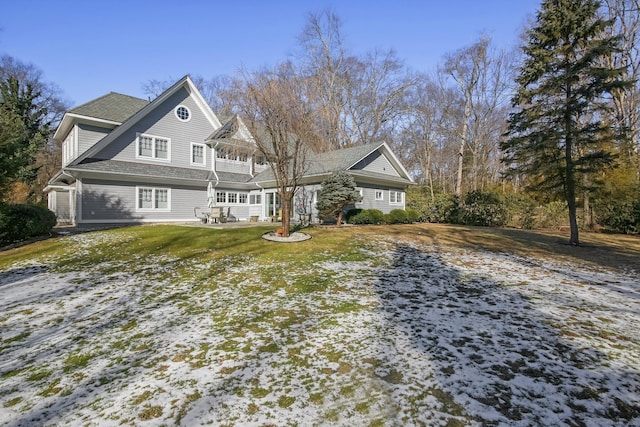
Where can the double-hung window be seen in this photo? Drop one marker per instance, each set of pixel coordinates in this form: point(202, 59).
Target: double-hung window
point(197, 154)
point(395, 197)
point(151, 199)
point(255, 199)
point(221, 197)
point(379, 195)
point(153, 147)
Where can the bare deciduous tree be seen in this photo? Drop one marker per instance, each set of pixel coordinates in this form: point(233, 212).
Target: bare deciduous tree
point(358, 99)
point(626, 25)
point(377, 92)
point(273, 102)
point(484, 78)
point(323, 62)
point(426, 131)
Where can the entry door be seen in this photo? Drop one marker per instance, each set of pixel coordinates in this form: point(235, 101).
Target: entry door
point(273, 204)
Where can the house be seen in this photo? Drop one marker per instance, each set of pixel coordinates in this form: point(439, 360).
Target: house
point(128, 160)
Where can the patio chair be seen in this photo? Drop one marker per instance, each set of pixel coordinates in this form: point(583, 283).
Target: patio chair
point(216, 214)
point(201, 215)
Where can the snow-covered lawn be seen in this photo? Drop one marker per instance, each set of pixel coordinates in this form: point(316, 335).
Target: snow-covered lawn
point(403, 334)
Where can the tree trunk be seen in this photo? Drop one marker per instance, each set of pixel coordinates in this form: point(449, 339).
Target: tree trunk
point(339, 220)
point(285, 198)
point(460, 164)
point(465, 130)
point(571, 193)
point(587, 219)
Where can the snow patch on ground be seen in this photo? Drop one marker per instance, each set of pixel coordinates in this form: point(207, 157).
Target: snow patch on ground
point(414, 335)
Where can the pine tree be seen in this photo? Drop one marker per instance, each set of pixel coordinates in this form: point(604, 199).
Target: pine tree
point(337, 191)
point(23, 130)
point(559, 133)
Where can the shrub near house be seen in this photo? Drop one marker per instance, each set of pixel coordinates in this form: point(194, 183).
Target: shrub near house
point(20, 222)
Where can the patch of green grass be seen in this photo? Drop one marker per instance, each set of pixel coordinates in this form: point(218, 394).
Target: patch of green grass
point(269, 348)
point(132, 323)
point(347, 391)
point(51, 389)
point(13, 373)
point(587, 393)
point(449, 405)
point(150, 412)
point(77, 361)
point(393, 377)
point(143, 397)
point(362, 407)
point(347, 307)
point(259, 392)
point(12, 402)
point(21, 336)
point(316, 398)
point(39, 375)
point(286, 401)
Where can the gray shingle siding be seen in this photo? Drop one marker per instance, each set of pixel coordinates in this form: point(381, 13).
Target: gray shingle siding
point(88, 135)
point(115, 201)
point(377, 163)
point(162, 122)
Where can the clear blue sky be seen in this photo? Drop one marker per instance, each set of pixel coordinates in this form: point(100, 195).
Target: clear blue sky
point(91, 47)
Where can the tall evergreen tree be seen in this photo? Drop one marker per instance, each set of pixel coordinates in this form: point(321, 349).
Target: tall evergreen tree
point(24, 129)
point(559, 133)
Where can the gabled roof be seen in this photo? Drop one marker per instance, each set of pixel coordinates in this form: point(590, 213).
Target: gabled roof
point(337, 160)
point(184, 82)
point(113, 106)
point(108, 111)
point(343, 160)
point(233, 130)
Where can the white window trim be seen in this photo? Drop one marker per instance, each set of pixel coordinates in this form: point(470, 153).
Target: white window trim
point(221, 193)
point(255, 197)
point(153, 198)
point(381, 195)
point(175, 111)
point(153, 157)
point(237, 202)
point(204, 154)
point(70, 146)
point(399, 197)
point(361, 191)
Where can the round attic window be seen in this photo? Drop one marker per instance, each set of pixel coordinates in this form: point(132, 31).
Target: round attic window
point(183, 113)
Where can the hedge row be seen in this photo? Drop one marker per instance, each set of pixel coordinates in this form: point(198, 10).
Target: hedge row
point(20, 222)
point(487, 208)
point(375, 216)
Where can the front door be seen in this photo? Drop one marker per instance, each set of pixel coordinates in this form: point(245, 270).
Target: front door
point(273, 205)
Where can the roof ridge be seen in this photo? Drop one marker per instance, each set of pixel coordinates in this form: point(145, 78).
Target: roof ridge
point(77, 107)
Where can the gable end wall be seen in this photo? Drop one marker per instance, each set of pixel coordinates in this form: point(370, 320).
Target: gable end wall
point(162, 122)
point(376, 162)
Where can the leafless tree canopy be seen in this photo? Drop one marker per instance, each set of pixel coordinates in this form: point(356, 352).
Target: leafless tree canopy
point(446, 125)
point(281, 120)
